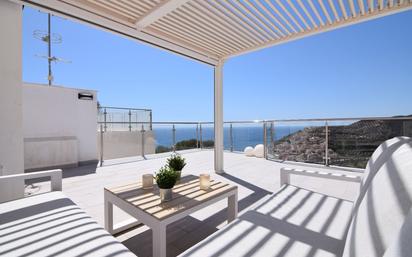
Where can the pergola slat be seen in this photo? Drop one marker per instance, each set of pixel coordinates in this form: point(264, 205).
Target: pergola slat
point(313, 7)
point(289, 15)
point(305, 10)
point(181, 27)
point(137, 7)
point(224, 16)
point(223, 8)
point(343, 9)
point(325, 12)
point(272, 26)
point(176, 39)
point(371, 6)
point(126, 6)
point(220, 28)
point(361, 7)
point(352, 8)
point(115, 9)
point(158, 12)
point(282, 17)
point(185, 28)
point(335, 13)
point(211, 32)
point(299, 14)
point(165, 28)
point(238, 9)
point(143, 4)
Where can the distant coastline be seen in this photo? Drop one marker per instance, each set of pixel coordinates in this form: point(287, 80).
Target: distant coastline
point(242, 136)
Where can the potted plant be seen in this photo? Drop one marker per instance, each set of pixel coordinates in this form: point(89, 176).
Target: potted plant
point(177, 163)
point(166, 178)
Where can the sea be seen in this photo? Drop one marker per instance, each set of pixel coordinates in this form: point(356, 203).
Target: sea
point(243, 136)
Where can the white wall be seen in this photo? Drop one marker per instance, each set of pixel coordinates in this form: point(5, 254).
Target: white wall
point(53, 119)
point(11, 132)
point(119, 144)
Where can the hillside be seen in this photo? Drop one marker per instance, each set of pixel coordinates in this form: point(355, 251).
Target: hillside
point(349, 145)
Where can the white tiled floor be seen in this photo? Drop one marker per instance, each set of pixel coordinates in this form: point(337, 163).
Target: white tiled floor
point(255, 178)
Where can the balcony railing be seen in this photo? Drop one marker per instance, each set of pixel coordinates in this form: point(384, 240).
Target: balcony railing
point(123, 119)
point(328, 141)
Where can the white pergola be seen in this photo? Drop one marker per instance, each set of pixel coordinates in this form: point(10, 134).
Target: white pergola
point(211, 31)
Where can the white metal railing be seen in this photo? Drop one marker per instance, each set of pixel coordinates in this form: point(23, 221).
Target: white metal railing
point(269, 130)
point(123, 118)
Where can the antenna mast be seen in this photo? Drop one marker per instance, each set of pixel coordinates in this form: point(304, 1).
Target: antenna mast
point(49, 59)
point(49, 38)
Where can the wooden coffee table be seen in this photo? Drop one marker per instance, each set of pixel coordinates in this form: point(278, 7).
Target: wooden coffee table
point(145, 206)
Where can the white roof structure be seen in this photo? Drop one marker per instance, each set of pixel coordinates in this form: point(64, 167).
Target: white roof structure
point(213, 30)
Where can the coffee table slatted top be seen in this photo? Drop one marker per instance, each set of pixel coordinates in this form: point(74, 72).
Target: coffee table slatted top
point(186, 195)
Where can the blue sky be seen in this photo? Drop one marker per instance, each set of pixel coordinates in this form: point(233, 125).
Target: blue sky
point(362, 70)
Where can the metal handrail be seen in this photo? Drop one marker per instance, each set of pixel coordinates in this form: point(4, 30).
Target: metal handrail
point(262, 121)
point(125, 108)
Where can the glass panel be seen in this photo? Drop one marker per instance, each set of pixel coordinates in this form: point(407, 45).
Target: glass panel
point(297, 141)
point(118, 119)
point(352, 143)
point(163, 135)
point(207, 136)
point(242, 135)
point(186, 137)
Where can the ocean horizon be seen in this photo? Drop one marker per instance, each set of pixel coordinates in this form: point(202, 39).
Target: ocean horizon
point(242, 136)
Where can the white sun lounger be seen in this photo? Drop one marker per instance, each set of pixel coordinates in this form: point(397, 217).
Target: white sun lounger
point(50, 224)
point(296, 222)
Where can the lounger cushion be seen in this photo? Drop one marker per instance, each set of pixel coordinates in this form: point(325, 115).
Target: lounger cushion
point(386, 202)
point(401, 246)
point(292, 222)
point(50, 224)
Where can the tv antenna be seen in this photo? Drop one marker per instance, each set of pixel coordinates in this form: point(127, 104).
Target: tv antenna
point(49, 38)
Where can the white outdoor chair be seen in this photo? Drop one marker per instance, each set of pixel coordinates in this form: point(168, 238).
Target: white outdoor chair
point(298, 222)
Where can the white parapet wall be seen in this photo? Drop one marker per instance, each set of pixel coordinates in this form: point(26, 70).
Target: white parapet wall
point(119, 144)
point(59, 128)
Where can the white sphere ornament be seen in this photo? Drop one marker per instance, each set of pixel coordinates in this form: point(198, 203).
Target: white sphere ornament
point(249, 151)
point(259, 150)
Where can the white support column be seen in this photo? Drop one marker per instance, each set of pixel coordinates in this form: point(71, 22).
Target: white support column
point(11, 113)
point(218, 117)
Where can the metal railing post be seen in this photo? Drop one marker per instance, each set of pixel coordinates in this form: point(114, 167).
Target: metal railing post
point(326, 144)
point(404, 133)
point(197, 135)
point(101, 145)
point(201, 136)
point(272, 138)
point(105, 119)
point(143, 141)
point(265, 141)
point(130, 120)
point(151, 119)
point(174, 137)
point(231, 137)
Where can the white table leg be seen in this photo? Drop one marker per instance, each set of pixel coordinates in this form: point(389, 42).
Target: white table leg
point(159, 241)
point(108, 214)
point(232, 207)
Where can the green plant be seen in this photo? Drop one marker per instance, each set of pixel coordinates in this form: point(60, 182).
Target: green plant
point(166, 177)
point(176, 162)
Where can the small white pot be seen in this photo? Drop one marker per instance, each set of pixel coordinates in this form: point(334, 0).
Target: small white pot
point(166, 194)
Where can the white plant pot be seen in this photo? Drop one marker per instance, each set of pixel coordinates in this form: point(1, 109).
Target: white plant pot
point(166, 194)
point(180, 176)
